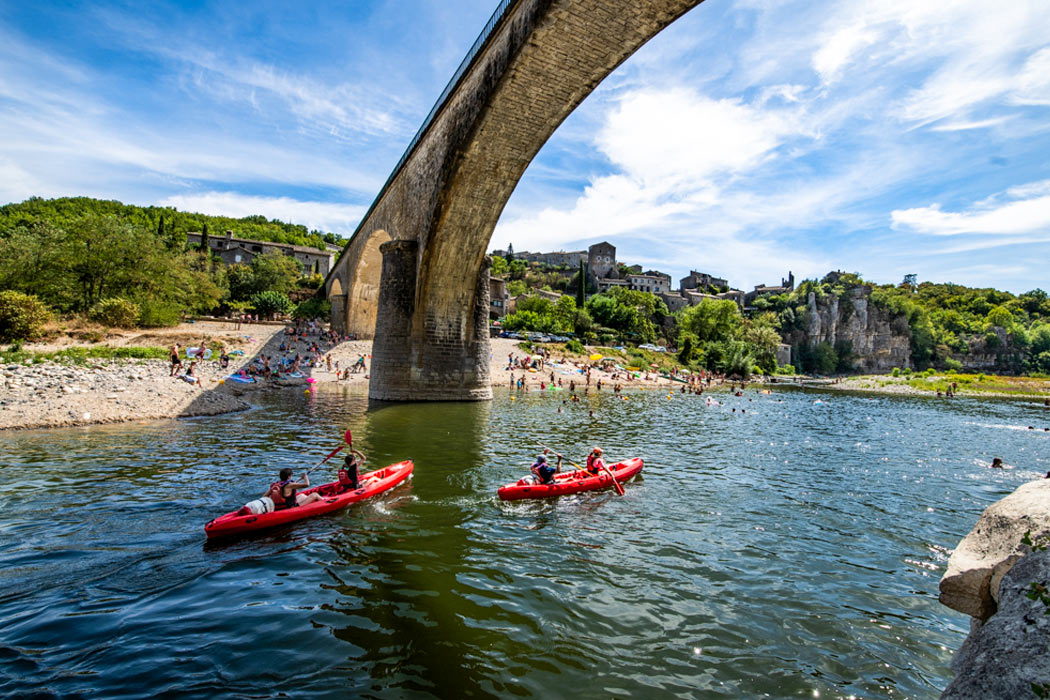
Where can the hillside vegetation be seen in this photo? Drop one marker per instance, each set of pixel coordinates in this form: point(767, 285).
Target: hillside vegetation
point(166, 221)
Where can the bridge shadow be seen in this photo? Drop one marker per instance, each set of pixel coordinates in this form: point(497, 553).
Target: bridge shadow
point(231, 389)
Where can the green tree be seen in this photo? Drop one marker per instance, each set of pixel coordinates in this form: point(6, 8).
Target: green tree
point(271, 302)
point(711, 319)
point(275, 272)
point(499, 266)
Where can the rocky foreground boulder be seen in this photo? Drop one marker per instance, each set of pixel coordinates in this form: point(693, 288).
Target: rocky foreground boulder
point(976, 568)
point(989, 577)
point(1005, 656)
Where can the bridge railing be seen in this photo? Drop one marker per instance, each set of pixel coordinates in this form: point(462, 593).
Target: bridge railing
point(464, 66)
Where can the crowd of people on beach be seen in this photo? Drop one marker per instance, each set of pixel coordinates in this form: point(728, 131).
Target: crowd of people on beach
point(304, 345)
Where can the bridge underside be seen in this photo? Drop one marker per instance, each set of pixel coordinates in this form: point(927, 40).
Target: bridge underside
point(433, 222)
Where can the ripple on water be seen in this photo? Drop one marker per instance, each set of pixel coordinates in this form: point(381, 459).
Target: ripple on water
point(792, 550)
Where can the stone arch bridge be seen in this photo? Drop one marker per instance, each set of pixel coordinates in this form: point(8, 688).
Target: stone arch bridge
point(415, 275)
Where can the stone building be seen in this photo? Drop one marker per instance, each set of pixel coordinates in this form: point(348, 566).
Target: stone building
point(241, 251)
point(702, 280)
point(786, 285)
point(601, 261)
point(499, 298)
point(652, 281)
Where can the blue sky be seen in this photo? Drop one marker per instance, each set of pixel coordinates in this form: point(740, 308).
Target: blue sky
point(749, 138)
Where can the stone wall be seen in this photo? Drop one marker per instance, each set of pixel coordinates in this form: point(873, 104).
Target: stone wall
point(879, 340)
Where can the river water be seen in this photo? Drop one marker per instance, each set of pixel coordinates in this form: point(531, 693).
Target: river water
point(790, 551)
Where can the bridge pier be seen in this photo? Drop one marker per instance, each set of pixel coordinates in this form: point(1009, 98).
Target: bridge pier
point(436, 357)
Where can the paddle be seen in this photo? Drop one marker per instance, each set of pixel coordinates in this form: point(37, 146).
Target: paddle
point(349, 442)
point(616, 484)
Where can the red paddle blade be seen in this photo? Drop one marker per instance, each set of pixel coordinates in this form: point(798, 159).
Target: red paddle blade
point(348, 437)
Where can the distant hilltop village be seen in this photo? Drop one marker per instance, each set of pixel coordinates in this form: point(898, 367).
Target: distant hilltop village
point(604, 272)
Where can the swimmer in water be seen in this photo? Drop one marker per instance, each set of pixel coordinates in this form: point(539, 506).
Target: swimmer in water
point(997, 463)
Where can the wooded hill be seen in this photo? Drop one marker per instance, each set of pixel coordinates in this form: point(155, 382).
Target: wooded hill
point(168, 222)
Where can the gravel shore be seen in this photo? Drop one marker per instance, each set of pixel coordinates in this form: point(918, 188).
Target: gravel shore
point(53, 395)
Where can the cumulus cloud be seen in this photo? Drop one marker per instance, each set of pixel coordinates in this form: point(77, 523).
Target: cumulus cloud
point(323, 216)
point(1020, 210)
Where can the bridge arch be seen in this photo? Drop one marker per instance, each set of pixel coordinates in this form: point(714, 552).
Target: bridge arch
point(533, 65)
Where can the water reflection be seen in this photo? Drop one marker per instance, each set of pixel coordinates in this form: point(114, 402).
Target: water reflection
point(790, 550)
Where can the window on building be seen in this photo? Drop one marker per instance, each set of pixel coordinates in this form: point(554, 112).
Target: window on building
point(237, 258)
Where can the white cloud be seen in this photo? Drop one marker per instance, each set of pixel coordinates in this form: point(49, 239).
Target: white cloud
point(841, 48)
point(1020, 210)
point(968, 126)
point(324, 216)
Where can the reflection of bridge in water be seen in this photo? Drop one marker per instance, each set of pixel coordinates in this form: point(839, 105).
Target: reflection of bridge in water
point(415, 275)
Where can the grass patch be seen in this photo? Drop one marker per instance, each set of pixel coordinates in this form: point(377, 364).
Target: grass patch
point(81, 355)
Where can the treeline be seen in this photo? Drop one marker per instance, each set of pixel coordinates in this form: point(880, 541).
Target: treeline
point(120, 272)
point(945, 321)
point(166, 221)
point(712, 335)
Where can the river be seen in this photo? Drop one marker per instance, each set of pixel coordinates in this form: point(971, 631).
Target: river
point(792, 550)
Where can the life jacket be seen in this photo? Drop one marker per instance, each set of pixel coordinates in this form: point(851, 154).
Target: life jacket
point(544, 472)
point(348, 477)
point(593, 465)
point(276, 495)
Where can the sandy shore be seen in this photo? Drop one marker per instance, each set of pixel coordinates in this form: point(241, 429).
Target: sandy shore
point(51, 394)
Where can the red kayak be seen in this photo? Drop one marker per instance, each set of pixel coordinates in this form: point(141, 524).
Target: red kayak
point(570, 482)
point(369, 484)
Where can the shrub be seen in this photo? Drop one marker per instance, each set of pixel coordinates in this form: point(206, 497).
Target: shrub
point(153, 314)
point(313, 308)
point(115, 311)
point(896, 372)
point(952, 364)
point(271, 302)
point(575, 346)
point(22, 316)
point(314, 281)
point(930, 371)
point(786, 369)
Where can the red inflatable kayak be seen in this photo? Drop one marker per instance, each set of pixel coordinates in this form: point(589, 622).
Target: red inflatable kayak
point(369, 484)
point(570, 482)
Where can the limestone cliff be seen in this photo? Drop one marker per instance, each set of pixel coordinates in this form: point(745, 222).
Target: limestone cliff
point(879, 340)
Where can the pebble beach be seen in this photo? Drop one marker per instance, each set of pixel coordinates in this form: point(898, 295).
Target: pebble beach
point(54, 394)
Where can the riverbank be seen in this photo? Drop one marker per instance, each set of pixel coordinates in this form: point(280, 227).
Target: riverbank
point(960, 385)
point(68, 383)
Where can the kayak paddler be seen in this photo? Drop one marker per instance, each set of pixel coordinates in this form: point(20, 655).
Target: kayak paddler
point(283, 492)
point(595, 464)
point(349, 477)
point(542, 469)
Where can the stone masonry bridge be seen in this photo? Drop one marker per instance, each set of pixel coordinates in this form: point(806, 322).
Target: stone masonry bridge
point(415, 275)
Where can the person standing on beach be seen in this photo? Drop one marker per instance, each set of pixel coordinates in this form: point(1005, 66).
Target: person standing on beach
point(176, 363)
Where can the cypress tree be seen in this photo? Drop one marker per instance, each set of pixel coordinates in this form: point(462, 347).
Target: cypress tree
point(581, 288)
point(204, 238)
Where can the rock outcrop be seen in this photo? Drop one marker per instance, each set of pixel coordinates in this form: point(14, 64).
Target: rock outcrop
point(988, 577)
point(880, 340)
point(971, 582)
point(1002, 658)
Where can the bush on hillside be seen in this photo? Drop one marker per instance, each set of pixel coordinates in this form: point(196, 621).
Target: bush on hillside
point(22, 316)
point(115, 311)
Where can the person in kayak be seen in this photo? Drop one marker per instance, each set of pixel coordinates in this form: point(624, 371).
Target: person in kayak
point(283, 492)
point(349, 477)
point(542, 469)
point(595, 464)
